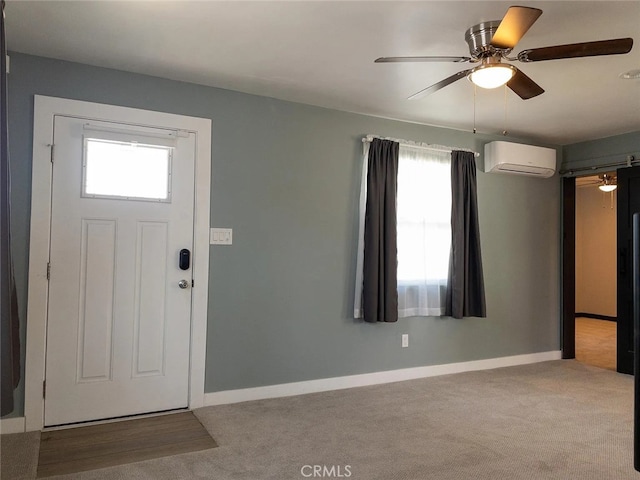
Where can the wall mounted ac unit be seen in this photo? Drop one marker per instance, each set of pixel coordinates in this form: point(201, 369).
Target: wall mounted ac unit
point(519, 159)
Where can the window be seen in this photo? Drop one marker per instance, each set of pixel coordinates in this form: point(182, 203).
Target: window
point(129, 170)
point(423, 230)
point(424, 216)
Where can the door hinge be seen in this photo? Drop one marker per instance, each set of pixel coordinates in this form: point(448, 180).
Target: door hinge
point(193, 284)
point(48, 271)
point(52, 147)
point(44, 389)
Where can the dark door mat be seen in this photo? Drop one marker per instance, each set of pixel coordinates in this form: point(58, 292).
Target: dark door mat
point(107, 445)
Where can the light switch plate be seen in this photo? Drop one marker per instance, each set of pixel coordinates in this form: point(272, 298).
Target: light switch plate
point(221, 236)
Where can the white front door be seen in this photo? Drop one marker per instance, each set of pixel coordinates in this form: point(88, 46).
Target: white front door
point(119, 311)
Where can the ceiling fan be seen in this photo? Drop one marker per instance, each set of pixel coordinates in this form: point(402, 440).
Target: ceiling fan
point(491, 42)
point(607, 182)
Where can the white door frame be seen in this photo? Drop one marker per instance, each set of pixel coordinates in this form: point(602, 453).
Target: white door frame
point(45, 108)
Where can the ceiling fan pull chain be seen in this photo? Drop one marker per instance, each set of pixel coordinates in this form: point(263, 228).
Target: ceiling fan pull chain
point(475, 91)
point(504, 131)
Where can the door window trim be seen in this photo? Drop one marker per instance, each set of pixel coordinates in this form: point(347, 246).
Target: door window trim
point(45, 109)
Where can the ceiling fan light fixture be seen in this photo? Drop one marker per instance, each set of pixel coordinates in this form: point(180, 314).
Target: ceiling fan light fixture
point(492, 75)
point(609, 183)
point(631, 75)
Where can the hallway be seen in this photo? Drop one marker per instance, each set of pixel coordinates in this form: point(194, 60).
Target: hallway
point(596, 342)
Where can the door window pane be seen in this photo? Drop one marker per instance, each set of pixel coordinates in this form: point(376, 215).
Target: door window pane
point(126, 170)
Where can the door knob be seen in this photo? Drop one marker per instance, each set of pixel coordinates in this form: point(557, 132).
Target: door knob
point(183, 284)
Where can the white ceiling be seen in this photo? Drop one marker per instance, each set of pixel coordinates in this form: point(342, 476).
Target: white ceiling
point(322, 53)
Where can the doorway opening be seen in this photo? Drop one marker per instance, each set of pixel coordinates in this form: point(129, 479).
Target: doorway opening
point(596, 270)
point(627, 196)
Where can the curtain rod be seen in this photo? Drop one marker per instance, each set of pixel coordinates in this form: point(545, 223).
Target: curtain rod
point(631, 160)
point(426, 146)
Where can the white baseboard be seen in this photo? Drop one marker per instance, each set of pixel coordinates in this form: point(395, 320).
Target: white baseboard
point(12, 425)
point(338, 383)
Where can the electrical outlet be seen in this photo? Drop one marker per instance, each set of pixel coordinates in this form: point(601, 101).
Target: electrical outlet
point(405, 340)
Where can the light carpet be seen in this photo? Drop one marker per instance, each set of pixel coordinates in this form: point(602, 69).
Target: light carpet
point(553, 420)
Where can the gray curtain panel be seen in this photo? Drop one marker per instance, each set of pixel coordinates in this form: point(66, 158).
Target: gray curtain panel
point(9, 323)
point(465, 286)
point(380, 275)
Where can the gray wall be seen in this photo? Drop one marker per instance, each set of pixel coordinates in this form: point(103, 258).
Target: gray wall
point(285, 177)
point(594, 153)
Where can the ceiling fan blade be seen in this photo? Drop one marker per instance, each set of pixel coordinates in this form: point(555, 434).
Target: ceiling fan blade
point(523, 86)
point(422, 59)
point(615, 46)
point(514, 25)
point(441, 84)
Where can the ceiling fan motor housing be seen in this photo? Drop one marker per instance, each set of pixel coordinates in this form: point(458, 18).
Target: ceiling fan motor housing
point(479, 38)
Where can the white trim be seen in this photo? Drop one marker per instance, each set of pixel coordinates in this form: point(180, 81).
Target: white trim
point(338, 383)
point(12, 425)
point(44, 110)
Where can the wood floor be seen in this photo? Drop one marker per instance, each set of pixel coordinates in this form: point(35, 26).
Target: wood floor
point(99, 446)
point(596, 342)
